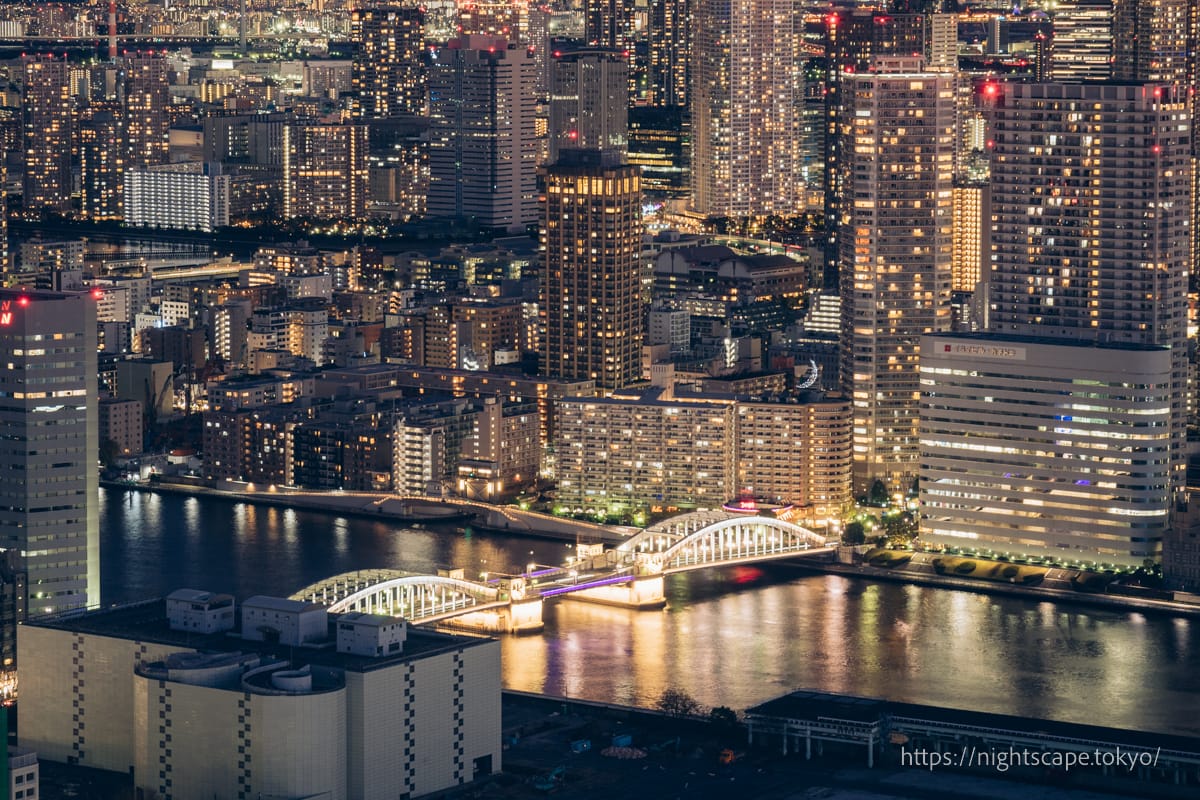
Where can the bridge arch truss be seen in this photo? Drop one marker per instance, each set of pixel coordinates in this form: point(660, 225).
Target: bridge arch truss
point(709, 538)
point(417, 598)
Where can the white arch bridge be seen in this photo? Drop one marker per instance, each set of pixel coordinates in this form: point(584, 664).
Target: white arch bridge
point(630, 575)
point(703, 539)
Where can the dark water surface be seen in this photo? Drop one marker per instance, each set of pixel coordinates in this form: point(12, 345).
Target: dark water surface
point(734, 636)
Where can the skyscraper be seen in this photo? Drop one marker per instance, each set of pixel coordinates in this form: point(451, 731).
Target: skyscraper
point(1153, 41)
point(589, 102)
point(854, 37)
point(102, 162)
point(50, 445)
point(1091, 204)
point(591, 278)
point(47, 109)
point(747, 95)
point(610, 23)
point(592, 228)
point(389, 67)
point(483, 153)
point(146, 105)
point(4, 266)
point(1060, 432)
point(1082, 48)
point(325, 170)
point(670, 52)
point(896, 252)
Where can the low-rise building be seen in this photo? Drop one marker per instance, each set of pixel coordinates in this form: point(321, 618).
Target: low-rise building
point(348, 706)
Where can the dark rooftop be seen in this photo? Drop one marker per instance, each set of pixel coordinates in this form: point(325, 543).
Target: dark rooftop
point(147, 622)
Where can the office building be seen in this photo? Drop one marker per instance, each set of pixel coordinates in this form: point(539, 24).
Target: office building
point(50, 446)
point(1091, 209)
point(589, 102)
point(658, 144)
point(747, 96)
point(1046, 447)
point(591, 273)
point(896, 255)
point(325, 171)
point(1082, 47)
point(483, 151)
point(389, 69)
point(189, 196)
point(291, 702)
point(48, 113)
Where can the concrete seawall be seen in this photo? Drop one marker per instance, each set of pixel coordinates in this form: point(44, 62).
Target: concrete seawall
point(401, 510)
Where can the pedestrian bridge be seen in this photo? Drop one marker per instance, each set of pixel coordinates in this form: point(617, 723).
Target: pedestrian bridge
point(630, 575)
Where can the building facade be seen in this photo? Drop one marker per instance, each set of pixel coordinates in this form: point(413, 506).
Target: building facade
point(678, 449)
point(1091, 207)
point(146, 105)
point(190, 714)
point(326, 170)
point(896, 255)
point(1082, 47)
point(747, 98)
point(122, 424)
point(50, 445)
point(187, 196)
point(1043, 447)
point(483, 149)
point(589, 102)
point(48, 114)
point(591, 273)
point(389, 68)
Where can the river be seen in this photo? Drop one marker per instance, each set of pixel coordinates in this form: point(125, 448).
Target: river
point(734, 636)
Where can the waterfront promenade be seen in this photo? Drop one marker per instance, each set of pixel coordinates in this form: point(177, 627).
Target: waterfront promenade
point(400, 509)
point(1055, 588)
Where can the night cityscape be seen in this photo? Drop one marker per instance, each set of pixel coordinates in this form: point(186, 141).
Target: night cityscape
point(650, 398)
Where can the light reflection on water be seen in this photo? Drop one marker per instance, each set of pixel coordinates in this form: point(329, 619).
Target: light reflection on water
point(731, 637)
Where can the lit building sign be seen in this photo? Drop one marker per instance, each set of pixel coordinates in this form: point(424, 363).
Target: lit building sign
point(985, 351)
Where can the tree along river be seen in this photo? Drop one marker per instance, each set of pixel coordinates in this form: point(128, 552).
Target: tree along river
point(733, 636)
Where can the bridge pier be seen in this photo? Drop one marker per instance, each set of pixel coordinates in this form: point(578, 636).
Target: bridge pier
point(644, 593)
point(518, 617)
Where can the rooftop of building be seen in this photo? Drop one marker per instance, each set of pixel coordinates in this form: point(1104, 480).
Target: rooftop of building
point(147, 622)
point(23, 296)
point(1013, 338)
